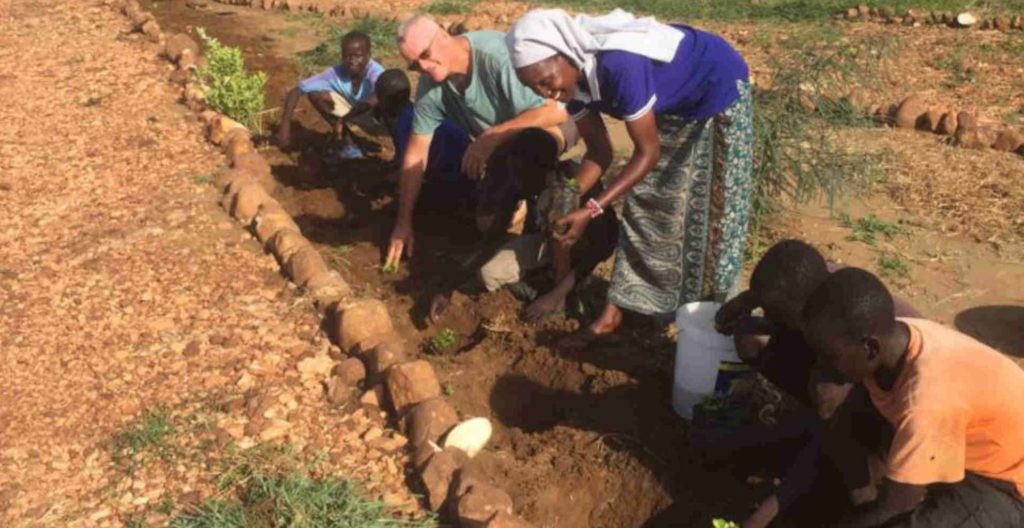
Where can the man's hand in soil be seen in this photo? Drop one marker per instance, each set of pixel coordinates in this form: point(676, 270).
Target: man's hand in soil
point(401, 239)
point(545, 305)
point(438, 305)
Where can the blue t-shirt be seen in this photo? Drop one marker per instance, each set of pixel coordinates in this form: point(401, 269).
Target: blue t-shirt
point(444, 160)
point(698, 83)
point(336, 79)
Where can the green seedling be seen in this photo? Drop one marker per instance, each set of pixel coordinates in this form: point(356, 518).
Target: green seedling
point(722, 523)
point(389, 269)
point(444, 339)
point(893, 266)
point(202, 179)
point(448, 389)
point(150, 434)
point(868, 229)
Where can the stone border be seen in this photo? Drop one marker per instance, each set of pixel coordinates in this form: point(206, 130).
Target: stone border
point(962, 126)
point(921, 17)
point(361, 327)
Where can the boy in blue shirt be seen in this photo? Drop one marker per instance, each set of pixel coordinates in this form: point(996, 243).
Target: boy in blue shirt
point(339, 93)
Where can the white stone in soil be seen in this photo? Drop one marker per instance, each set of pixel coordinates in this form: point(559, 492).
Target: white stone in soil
point(470, 436)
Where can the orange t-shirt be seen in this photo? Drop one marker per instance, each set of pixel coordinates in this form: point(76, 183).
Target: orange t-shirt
point(957, 405)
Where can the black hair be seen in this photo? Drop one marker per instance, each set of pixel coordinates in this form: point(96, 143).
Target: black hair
point(533, 152)
point(392, 90)
point(850, 305)
point(787, 274)
point(356, 35)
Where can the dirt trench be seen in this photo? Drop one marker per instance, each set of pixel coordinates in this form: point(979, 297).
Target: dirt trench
point(580, 440)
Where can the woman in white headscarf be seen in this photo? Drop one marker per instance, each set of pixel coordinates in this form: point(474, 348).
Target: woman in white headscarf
point(685, 98)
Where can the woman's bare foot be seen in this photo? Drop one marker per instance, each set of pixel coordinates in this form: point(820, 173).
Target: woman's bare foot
point(601, 329)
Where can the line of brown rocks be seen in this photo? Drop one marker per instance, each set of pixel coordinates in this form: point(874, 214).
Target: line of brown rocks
point(924, 17)
point(963, 126)
point(374, 357)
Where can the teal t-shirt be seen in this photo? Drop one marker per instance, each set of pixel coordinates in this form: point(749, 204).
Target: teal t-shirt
point(494, 94)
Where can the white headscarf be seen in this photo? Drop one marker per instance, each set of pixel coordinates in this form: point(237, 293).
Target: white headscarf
point(542, 33)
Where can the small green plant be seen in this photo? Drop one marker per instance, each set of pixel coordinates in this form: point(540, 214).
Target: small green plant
point(892, 266)
point(293, 499)
point(722, 523)
point(389, 269)
point(229, 88)
point(147, 435)
point(448, 389)
point(444, 339)
point(868, 228)
point(202, 179)
point(450, 7)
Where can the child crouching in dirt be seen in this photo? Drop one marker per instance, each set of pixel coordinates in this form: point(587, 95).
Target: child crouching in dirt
point(836, 419)
point(536, 175)
point(341, 94)
point(446, 184)
point(957, 456)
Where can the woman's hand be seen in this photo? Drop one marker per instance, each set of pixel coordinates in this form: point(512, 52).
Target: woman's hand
point(569, 229)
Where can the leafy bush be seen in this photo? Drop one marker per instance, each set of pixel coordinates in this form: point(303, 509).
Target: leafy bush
point(228, 87)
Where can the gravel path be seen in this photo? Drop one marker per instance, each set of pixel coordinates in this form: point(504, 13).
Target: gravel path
point(122, 288)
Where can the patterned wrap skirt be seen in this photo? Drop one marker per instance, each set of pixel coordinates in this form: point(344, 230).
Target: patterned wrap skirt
point(684, 227)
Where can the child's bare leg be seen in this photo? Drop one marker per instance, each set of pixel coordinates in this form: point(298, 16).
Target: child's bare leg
point(765, 513)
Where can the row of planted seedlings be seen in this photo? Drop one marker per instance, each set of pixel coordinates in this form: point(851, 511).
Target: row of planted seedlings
point(374, 358)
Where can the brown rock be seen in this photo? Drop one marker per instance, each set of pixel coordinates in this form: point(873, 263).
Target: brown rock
point(908, 112)
point(219, 128)
point(388, 444)
point(852, 14)
point(304, 265)
point(247, 202)
point(1002, 23)
point(504, 520)
point(355, 321)
point(430, 420)
point(863, 10)
point(328, 288)
point(252, 162)
point(411, 383)
point(947, 124)
point(237, 142)
point(338, 392)
point(886, 12)
point(269, 222)
point(917, 15)
point(180, 77)
point(929, 121)
point(351, 371)
point(381, 357)
point(1017, 22)
point(421, 455)
point(177, 44)
point(1008, 141)
point(482, 503)
point(287, 243)
point(373, 397)
point(437, 476)
point(152, 30)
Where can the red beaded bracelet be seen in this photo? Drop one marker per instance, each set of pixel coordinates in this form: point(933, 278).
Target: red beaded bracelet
point(594, 208)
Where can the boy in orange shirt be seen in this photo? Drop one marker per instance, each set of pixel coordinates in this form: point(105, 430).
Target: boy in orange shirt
point(957, 459)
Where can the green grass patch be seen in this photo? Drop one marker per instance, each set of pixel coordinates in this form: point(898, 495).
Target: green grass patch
point(148, 436)
point(268, 487)
point(444, 339)
point(202, 179)
point(790, 10)
point(229, 88)
point(722, 523)
point(450, 7)
point(893, 267)
point(869, 228)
